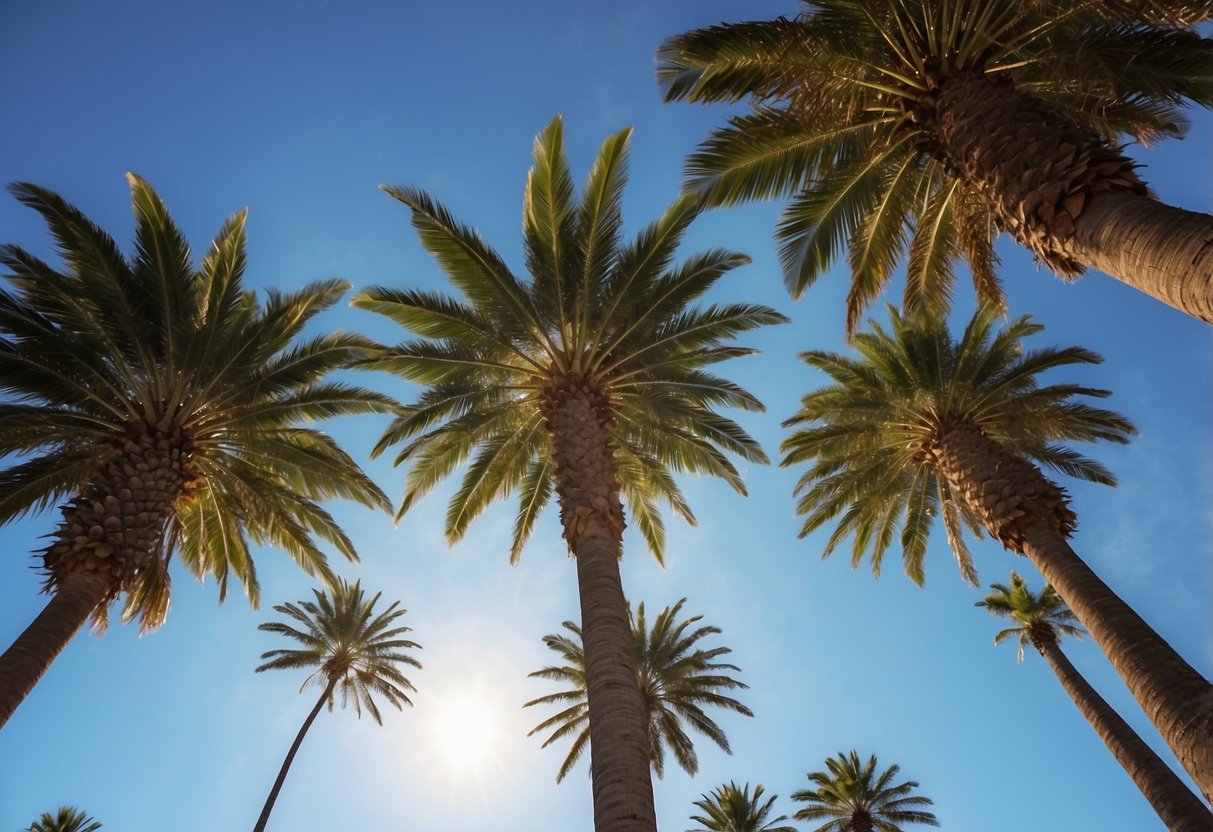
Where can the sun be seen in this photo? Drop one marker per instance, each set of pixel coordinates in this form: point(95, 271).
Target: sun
point(466, 729)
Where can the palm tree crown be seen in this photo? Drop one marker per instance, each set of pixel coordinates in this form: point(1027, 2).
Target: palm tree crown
point(915, 127)
point(607, 319)
point(871, 435)
point(354, 649)
point(1040, 616)
point(677, 680)
point(67, 819)
point(852, 797)
point(164, 403)
point(730, 808)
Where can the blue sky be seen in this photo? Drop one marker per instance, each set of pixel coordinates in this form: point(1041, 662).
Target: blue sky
point(299, 111)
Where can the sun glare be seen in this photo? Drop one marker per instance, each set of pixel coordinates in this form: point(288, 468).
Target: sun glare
point(466, 729)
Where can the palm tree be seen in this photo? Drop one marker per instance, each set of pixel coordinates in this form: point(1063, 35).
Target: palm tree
point(732, 809)
point(589, 380)
point(161, 404)
point(354, 650)
point(918, 126)
point(921, 425)
point(67, 819)
point(677, 679)
point(855, 799)
point(1042, 618)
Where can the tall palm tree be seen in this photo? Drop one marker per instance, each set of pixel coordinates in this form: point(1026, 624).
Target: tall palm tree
point(590, 380)
point(1041, 619)
point(67, 819)
point(677, 679)
point(161, 404)
point(355, 651)
point(921, 425)
point(732, 809)
point(852, 797)
point(917, 126)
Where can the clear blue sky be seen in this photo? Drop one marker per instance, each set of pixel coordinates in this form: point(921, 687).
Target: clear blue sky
point(298, 111)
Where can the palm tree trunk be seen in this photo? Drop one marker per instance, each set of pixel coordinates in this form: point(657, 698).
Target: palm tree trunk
point(23, 664)
point(1176, 698)
point(1174, 802)
point(1030, 515)
point(578, 419)
point(290, 756)
point(1063, 191)
point(1163, 251)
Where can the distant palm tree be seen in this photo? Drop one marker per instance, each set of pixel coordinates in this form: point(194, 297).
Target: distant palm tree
point(852, 797)
point(353, 649)
point(162, 405)
point(913, 128)
point(67, 819)
point(922, 426)
point(732, 809)
point(1042, 618)
point(590, 380)
point(677, 679)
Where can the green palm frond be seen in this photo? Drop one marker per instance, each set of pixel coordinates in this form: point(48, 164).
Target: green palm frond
point(595, 307)
point(102, 347)
point(1039, 615)
point(66, 819)
point(731, 808)
point(345, 641)
point(678, 679)
point(834, 91)
point(864, 435)
point(850, 795)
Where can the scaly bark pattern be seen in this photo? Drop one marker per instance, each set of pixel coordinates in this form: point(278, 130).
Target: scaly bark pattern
point(119, 523)
point(1037, 168)
point(108, 535)
point(1030, 515)
point(1174, 802)
point(1008, 493)
point(578, 416)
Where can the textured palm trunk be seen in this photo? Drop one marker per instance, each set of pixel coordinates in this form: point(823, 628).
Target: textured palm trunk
point(1174, 802)
point(290, 756)
point(1067, 194)
point(1030, 515)
point(23, 664)
point(107, 537)
point(861, 822)
point(1163, 251)
point(578, 418)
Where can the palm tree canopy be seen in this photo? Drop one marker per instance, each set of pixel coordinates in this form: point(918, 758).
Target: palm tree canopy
point(678, 679)
point(67, 819)
point(109, 350)
point(844, 97)
point(851, 796)
point(1040, 616)
point(344, 639)
point(868, 434)
point(730, 808)
point(614, 316)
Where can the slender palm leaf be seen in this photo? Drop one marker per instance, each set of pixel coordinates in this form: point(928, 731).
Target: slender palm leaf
point(851, 796)
point(922, 425)
point(352, 650)
point(678, 680)
point(925, 124)
point(1041, 619)
point(588, 381)
point(67, 819)
point(163, 406)
point(730, 808)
